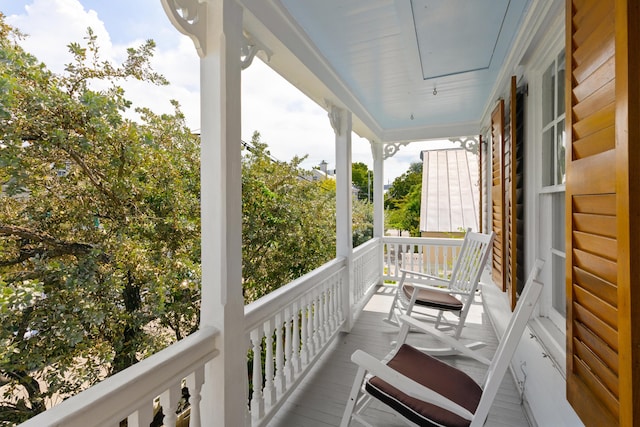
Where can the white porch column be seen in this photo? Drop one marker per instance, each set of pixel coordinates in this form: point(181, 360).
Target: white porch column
point(221, 205)
point(216, 29)
point(341, 123)
point(378, 201)
point(378, 189)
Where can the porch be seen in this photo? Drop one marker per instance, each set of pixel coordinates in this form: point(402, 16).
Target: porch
point(305, 334)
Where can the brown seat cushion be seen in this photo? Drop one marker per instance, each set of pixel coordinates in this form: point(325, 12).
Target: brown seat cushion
point(433, 299)
point(434, 374)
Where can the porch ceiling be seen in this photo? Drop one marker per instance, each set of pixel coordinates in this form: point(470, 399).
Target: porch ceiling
point(408, 69)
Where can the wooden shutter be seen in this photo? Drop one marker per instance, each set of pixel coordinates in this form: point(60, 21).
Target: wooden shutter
point(514, 196)
point(497, 193)
point(603, 198)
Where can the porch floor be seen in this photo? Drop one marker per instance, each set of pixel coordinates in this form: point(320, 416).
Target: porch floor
point(320, 400)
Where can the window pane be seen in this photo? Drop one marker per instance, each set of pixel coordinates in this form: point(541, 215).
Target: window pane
point(548, 158)
point(548, 87)
point(560, 154)
point(561, 69)
point(558, 220)
point(559, 294)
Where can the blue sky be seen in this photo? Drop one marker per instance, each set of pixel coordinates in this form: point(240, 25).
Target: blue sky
point(289, 122)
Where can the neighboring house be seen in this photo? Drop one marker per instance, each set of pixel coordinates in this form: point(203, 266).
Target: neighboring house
point(450, 202)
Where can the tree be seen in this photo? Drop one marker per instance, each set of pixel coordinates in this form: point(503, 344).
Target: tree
point(288, 222)
point(362, 179)
point(403, 185)
point(362, 217)
point(403, 201)
point(99, 225)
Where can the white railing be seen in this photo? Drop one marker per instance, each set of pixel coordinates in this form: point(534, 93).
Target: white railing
point(289, 329)
point(131, 394)
point(434, 256)
point(367, 272)
point(285, 331)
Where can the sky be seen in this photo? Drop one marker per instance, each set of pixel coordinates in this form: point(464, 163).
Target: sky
point(289, 122)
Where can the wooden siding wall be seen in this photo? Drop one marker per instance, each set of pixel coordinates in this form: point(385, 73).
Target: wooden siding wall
point(602, 211)
point(497, 193)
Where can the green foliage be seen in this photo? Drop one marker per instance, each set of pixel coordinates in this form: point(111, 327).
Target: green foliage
point(99, 225)
point(362, 213)
point(362, 179)
point(403, 201)
point(288, 222)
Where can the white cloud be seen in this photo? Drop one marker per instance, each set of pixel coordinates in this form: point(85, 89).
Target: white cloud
point(52, 24)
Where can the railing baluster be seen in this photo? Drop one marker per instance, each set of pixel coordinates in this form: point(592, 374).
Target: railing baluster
point(169, 403)
point(318, 339)
point(341, 314)
point(269, 391)
point(326, 330)
point(279, 379)
point(331, 294)
point(310, 329)
point(194, 384)
point(142, 417)
point(289, 364)
point(257, 401)
point(304, 350)
point(295, 329)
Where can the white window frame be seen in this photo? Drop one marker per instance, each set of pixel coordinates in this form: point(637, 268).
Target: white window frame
point(549, 326)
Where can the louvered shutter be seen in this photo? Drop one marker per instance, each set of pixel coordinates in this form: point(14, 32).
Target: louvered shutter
point(497, 193)
point(602, 193)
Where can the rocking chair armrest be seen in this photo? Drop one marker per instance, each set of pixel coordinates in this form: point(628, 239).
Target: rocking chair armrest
point(444, 290)
point(423, 275)
point(418, 273)
point(447, 339)
point(406, 384)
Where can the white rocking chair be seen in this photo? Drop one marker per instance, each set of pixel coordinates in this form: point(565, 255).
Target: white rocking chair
point(428, 392)
point(454, 295)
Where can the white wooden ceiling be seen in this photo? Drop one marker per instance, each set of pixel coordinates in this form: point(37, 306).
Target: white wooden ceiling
point(404, 67)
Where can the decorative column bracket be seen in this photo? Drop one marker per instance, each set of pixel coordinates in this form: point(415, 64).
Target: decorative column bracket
point(469, 143)
point(392, 148)
point(334, 117)
point(189, 17)
point(250, 48)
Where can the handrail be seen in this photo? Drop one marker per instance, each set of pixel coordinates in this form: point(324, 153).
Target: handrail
point(431, 241)
point(134, 389)
point(261, 309)
point(432, 255)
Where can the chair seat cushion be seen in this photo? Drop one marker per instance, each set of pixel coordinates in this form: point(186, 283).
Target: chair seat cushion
point(433, 299)
point(434, 374)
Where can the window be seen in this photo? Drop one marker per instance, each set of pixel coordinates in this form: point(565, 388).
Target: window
point(552, 193)
point(553, 133)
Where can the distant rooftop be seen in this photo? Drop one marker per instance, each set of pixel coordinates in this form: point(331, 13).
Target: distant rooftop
point(450, 191)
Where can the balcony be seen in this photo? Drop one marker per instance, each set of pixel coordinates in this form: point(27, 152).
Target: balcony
point(306, 332)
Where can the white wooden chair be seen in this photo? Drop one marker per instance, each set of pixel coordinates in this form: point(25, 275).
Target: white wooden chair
point(428, 392)
point(454, 294)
